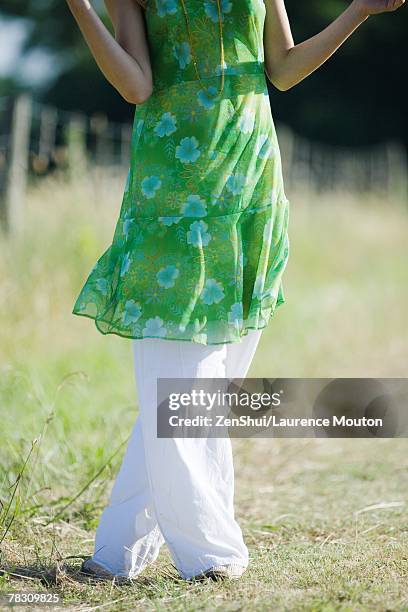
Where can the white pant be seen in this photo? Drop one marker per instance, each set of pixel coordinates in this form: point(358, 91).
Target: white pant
point(175, 490)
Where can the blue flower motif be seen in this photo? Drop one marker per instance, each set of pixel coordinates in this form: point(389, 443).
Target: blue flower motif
point(198, 235)
point(125, 264)
point(137, 130)
point(212, 10)
point(131, 313)
point(235, 183)
point(126, 226)
point(165, 7)
point(194, 207)
point(166, 276)
point(152, 295)
point(128, 181)
point(181, 52)
point(221, 200)
point(213, 292)
point(259, 288)
point(263, 146)
point(169, 220)
point(187, 151)
point(102, 285)
point(166, 125)
point(246, 121)
point(206, 97)
point(235, 316)
point(235, 278)
point(150, 184)
point(227, 69)
point(154, 327)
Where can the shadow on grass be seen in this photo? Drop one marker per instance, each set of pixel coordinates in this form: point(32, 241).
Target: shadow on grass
point(53, 575)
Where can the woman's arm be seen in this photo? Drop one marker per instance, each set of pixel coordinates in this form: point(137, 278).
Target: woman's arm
point(125, 61)
point(286, 64)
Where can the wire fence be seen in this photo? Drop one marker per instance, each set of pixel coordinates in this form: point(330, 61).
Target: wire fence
point(53, 132)
point(37, 140)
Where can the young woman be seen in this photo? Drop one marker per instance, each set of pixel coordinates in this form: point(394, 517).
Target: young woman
point(194, 271)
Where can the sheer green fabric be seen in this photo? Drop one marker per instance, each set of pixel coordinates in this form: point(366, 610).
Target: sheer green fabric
point(201, 242)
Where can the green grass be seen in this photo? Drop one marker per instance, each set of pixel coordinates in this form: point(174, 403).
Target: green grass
point(325, 520)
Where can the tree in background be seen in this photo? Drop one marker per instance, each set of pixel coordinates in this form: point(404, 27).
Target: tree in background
point(78, 84)
point(354, 99)
point(357, 96)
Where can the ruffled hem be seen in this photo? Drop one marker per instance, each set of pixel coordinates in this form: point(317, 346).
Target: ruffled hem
point(230, 336)
point(226, 281)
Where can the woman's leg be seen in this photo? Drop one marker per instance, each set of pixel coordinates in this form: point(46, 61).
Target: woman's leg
point(237, 363)
point(240, 355)
point(191, 479)
point(128, 537)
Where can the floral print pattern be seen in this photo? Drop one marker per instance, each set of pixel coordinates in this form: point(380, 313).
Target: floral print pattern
point(201, 242)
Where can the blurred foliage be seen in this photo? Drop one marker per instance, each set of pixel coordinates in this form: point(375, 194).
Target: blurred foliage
point(79, 85)
point(357, 96)
point(354, 99)
point(9, 87)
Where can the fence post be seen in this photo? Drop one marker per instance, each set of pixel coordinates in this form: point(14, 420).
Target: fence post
point(48, 128)
point(76, 146)
point(397, 172)
point(100, 129)
point(126, 138)
point(14, 200)
point(302, 171)
point(286, 143)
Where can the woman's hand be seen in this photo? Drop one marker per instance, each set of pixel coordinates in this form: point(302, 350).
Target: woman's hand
point(286, 64)
point(374, 7)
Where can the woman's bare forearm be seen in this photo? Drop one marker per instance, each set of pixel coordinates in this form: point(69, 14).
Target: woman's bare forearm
point(300, 60)
point(122, 70)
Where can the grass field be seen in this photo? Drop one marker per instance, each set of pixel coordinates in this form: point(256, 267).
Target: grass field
point(325, 520)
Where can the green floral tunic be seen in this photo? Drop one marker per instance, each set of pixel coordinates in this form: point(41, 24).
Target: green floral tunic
point(201, 242)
